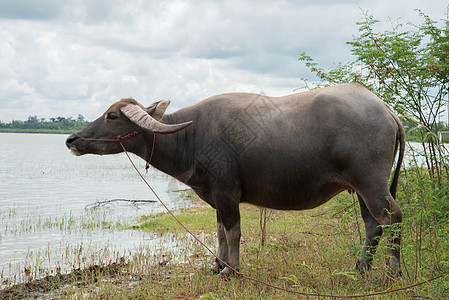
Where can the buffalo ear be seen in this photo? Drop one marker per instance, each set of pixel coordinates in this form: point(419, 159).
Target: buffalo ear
point(157, 109)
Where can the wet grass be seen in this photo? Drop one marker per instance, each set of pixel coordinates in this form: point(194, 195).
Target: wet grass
point(67, 223)
point(65, 249)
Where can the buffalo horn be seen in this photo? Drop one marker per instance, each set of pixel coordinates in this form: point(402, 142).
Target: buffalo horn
point(140, 117)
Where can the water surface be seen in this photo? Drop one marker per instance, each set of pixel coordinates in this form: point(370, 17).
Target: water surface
point(44, 191)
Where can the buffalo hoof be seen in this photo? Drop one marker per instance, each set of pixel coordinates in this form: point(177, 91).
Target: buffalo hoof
point(226, 274)
point(362, 266)
point(216, 269)
point(394, 269)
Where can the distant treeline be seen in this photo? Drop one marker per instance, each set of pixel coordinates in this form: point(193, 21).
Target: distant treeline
point(35, 124)
point(70, 124)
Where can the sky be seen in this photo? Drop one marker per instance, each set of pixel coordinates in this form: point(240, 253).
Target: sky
point(70, 57)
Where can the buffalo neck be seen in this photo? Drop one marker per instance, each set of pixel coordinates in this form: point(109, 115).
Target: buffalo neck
point(172, 153)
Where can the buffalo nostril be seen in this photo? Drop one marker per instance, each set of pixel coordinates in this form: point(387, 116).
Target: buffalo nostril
point(71, 139)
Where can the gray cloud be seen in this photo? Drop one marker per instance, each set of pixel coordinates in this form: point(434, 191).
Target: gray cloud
point(70, 57)
point(31, 10)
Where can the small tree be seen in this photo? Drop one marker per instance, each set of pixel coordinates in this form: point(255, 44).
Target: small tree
point(80, 118)
point(408, 69)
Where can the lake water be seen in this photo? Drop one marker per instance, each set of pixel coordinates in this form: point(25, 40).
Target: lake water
point(44, 191)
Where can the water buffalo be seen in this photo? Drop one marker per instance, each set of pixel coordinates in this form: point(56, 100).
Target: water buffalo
point(291, 153)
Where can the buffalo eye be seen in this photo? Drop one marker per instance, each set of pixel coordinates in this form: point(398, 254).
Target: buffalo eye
point(111, 116)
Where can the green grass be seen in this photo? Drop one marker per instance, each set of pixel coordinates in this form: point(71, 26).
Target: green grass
point(199, 218)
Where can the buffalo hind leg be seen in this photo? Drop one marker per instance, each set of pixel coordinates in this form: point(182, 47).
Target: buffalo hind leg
point(373, 231)
point(384, 209)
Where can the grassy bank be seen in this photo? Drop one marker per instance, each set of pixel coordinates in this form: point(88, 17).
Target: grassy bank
point(308, 251)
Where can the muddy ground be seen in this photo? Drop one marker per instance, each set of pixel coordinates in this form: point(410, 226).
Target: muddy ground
point(50, 286)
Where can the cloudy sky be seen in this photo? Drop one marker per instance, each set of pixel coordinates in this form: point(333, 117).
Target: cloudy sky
point(70, 57)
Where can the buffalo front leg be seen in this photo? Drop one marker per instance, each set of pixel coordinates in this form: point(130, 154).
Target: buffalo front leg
point(229, 214)
point(233, 235)
point(222, 247)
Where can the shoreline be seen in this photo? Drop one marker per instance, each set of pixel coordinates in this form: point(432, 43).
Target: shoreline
point(41, 131)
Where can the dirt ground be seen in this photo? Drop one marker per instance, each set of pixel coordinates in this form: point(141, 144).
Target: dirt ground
point(50, 286)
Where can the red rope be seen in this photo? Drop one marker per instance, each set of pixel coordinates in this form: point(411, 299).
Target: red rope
point(147, 165)
point(118, 139)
